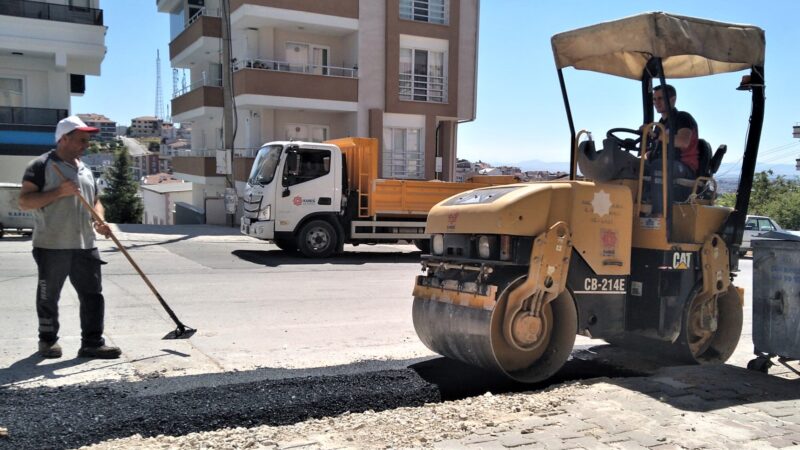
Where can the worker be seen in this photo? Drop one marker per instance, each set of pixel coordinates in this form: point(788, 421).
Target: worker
point(687, 161)
point(64, 239)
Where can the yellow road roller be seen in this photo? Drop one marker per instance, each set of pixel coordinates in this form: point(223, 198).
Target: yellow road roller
point(516, 271)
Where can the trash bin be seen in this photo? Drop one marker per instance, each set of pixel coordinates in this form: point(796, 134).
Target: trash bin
point(776, 299)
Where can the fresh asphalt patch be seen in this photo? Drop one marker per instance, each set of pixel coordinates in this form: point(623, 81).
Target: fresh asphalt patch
point(77, 415)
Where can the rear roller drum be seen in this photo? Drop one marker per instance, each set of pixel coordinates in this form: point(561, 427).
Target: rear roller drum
point(710, 330)
point(540, 344)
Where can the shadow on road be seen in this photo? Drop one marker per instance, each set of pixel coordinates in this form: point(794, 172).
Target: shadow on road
point(276, 258)
point(73, 416)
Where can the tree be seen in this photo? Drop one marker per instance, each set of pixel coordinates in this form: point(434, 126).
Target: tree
point(776, 197)
point(120, 199)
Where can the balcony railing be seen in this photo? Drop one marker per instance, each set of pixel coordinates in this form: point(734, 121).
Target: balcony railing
point(31, 116)
point(431, 11)
point(202, 12)
point(197, 84)
point(423, 88)
point(210, 153)
point(283, 66)
point(49, 11)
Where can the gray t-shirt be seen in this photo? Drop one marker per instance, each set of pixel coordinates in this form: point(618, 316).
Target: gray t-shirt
point(65, 223)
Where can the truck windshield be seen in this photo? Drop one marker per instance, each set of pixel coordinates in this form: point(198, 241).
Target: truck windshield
point(264, 166)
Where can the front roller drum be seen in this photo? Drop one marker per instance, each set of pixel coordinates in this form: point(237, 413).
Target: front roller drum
point(475, 336)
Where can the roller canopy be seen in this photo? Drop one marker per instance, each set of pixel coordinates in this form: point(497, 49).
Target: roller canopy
point(689, 47)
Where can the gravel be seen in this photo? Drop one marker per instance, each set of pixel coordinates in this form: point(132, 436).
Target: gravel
point(401, 427)
point(74, 416)
point(385, 408)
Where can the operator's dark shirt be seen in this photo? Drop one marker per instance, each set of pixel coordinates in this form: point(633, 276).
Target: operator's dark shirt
point(690, 156)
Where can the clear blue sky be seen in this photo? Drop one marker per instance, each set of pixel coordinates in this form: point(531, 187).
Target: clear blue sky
point(520, 112)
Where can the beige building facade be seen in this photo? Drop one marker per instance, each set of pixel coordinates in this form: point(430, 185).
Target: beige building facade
point(401, 71)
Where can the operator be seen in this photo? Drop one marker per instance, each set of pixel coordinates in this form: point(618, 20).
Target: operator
point(687, 162)
point(63, 239)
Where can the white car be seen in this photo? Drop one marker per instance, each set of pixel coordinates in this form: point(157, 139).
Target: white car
point(753, 227)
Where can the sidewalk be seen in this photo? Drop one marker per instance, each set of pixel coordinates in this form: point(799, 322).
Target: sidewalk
point(678, 407)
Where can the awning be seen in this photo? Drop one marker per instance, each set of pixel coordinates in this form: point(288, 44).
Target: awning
point(688, 46)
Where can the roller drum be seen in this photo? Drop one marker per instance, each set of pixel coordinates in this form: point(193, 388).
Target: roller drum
point(474, 336)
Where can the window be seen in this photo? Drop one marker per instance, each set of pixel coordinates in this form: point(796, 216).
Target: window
point(307, 58)
point(422, 75)
point(433, 11)
point(10, 92)
point(306, 164)
point(403, 154)
point(305, 132)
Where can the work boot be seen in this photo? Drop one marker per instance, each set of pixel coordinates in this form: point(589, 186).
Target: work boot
point(48, 350)
point(101, 352)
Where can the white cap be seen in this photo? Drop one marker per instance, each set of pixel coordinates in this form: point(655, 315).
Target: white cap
point(70, 124)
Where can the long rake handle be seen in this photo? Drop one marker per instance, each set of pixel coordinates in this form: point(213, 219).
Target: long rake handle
point(121, 247)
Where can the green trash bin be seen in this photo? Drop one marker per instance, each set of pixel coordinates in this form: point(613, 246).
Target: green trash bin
point(776, 299)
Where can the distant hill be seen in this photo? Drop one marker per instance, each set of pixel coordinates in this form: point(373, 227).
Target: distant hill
point(729, 170)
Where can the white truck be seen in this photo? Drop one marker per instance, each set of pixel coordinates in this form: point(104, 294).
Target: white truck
point(315, 197)
point(11, 217)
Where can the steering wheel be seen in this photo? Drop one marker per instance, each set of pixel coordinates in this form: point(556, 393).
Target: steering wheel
point(628, 144)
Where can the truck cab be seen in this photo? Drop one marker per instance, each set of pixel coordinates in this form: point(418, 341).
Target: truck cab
point(290, 184)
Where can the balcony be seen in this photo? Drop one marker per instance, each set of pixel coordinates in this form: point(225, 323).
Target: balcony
point(198, 39)
point(192, 101)
point(10, 115)
point(262, 82)
point(340, 8)
point(203, 163)
point(49, 11)
point(423, 88)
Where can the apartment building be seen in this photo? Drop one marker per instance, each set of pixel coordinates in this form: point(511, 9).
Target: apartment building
point(145, 126)
point(107, 127)
point(47, 48)
point(401, 71)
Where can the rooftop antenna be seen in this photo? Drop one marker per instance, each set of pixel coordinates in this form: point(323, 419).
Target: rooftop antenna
point(159, 96)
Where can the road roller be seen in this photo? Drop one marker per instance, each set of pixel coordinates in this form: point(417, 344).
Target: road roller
point(627, 248)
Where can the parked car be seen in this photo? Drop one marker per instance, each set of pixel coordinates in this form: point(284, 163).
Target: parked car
point(754, 226)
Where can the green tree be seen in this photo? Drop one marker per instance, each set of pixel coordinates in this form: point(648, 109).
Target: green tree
point(120, 199)
point(776, 197)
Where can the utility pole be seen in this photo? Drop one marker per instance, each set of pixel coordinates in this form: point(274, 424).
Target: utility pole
point(228, 113)
point(796, 135)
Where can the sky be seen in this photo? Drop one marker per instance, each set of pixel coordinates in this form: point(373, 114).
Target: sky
point(520, 111)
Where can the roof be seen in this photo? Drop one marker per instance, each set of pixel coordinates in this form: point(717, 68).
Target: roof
point(95, 118)
point(160, 178)
point(167, 188)
point(146, 118)
point(688, 46)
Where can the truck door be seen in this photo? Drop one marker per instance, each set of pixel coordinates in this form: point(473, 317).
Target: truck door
point(308, 186)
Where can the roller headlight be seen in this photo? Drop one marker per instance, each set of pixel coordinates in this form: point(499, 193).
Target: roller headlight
point(437, 244)
point(484, 247)
point(264, 214)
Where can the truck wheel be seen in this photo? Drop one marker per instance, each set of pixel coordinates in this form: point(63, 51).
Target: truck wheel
point(286, 245)
point(317, 239)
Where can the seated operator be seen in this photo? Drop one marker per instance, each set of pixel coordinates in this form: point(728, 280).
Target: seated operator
point(687, 161)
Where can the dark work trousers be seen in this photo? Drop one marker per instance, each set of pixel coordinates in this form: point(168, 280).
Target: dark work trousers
point(83, 269)
point(679, 193)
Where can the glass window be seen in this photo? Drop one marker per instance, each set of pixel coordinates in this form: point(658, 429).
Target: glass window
point(423, 75)
point(264, 165)
point(403, 153)
point(10, 92)
point(306, 164)
point(432, 11)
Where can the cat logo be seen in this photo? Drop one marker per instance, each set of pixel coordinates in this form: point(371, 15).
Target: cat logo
point(681, 261)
